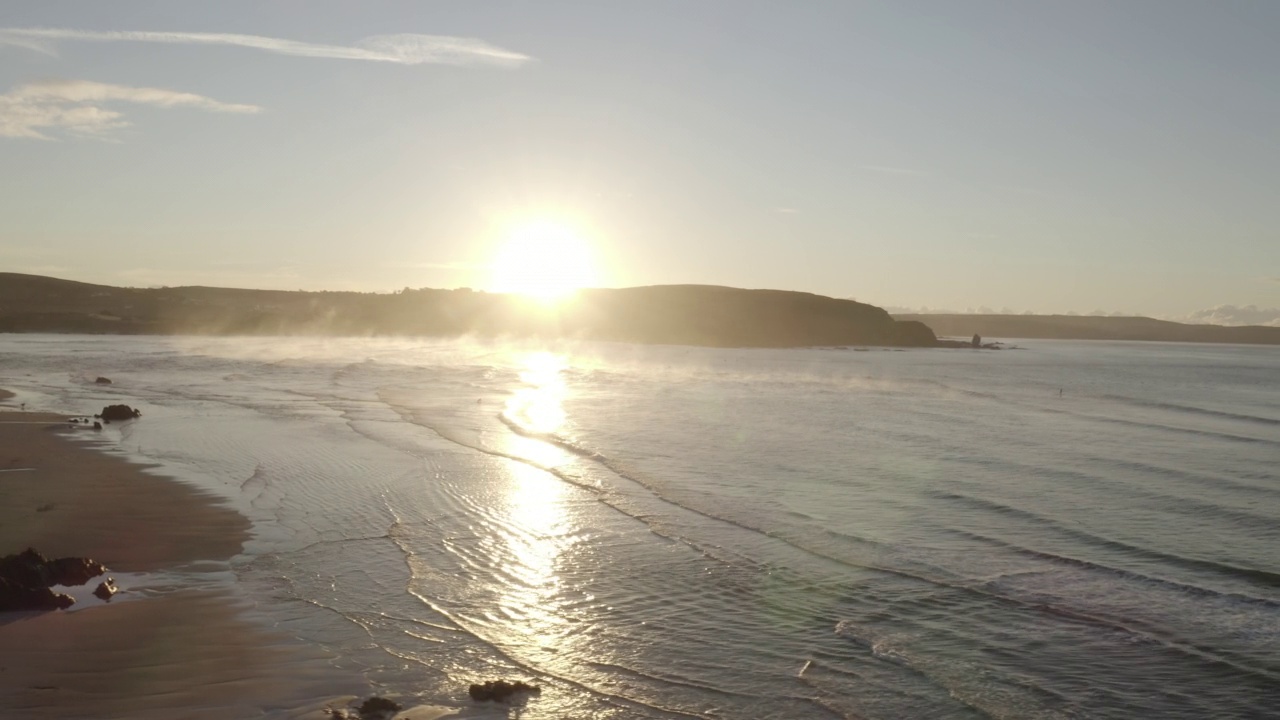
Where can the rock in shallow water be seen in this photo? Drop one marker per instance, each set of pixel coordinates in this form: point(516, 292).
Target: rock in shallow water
point(106, 589)
point(501, 690)
point(119, 412)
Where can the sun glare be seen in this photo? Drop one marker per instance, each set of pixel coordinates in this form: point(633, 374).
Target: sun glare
point(543, 260)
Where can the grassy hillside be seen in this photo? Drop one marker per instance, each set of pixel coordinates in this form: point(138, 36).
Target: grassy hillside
point(673, 314)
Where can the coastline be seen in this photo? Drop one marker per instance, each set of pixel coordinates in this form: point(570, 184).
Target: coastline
point(156, 650)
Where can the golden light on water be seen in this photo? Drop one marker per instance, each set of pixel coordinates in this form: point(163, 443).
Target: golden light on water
point(539, 407)
point(535, 508)
point(541, 528)
point(544, 260)
point(541, 535)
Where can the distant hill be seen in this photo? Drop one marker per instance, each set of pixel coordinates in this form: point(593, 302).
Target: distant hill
point(667, 314)
point(1081, 327)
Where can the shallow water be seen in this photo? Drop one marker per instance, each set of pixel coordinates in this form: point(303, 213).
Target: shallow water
point(1063, 530)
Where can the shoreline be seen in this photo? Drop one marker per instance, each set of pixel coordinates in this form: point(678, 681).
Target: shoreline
point(157, 650)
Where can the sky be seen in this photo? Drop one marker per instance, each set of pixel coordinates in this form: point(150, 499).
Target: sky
point(1073, 156)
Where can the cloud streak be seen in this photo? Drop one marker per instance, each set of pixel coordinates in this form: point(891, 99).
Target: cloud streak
point(405, 49)
point(80, 107)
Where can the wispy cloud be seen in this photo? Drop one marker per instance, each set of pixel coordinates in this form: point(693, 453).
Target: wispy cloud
point(405, 49)
point(80, 107)
point(40, 46)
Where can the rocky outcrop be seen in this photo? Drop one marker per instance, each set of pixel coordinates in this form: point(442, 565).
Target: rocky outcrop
point(103, 381)
point(119, 412)
point(909, 333)
point(728, 317)
point(30, 567)
point(502, 691)
point(15, 598)
point(26, 578)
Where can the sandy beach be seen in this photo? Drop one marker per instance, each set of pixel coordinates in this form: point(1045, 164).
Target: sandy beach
point(155, 654)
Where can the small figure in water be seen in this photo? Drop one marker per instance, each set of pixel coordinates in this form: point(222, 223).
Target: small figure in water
point(1059, 392)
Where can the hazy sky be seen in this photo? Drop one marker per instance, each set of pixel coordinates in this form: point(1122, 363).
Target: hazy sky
point(1047, 156)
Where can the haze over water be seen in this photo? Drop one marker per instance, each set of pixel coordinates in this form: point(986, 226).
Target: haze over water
point(1065, 530)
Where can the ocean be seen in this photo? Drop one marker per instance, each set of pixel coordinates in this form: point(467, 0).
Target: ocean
point(1061, 530)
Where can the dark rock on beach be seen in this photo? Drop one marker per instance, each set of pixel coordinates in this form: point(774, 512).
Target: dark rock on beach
point(14, 598)
point(501, 690)
point(35, 570)
point(119, 412)
point(25, 580)
point(103, 381)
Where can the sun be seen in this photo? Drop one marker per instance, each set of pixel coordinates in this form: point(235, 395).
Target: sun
point(543, 260)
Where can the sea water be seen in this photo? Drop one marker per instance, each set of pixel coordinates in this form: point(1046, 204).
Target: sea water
point(1063, 530)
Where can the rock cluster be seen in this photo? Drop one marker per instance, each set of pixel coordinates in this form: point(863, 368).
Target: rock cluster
point(26, 578)
point(501, 690)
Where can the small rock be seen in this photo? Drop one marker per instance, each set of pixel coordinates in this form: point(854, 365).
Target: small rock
point(106, 589)
point(103, 381)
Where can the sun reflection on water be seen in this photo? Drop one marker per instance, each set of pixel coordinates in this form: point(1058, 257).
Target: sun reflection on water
point(539, 406)
point(540, 525)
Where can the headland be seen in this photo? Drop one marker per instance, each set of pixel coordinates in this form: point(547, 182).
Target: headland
point(704, 315)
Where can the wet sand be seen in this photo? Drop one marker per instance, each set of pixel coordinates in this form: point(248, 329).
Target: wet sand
point(63, 498)
point(155, 654)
